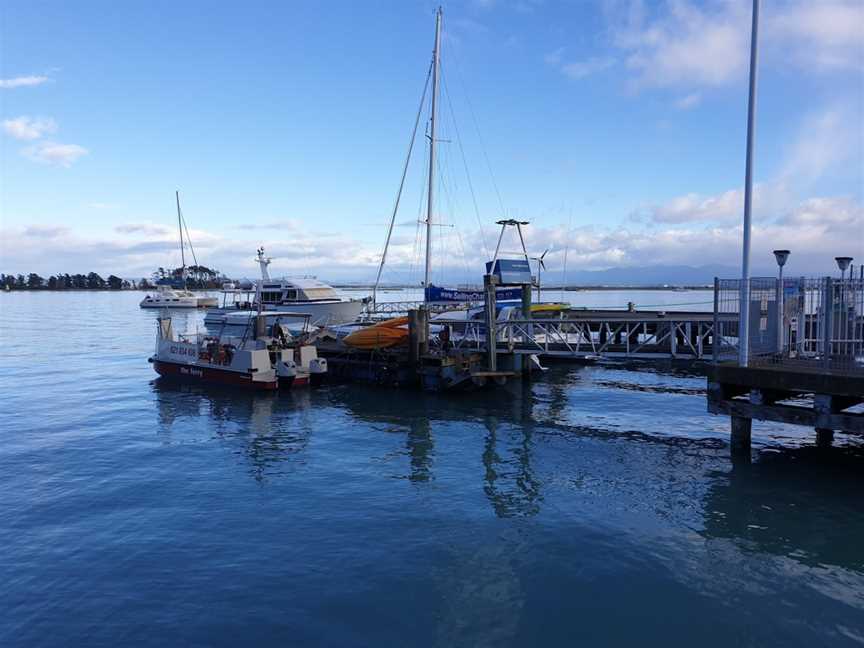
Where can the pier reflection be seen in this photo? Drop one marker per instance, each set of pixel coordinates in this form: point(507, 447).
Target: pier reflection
point(801, 503)
point(271, 427)
point(509, 481)
point(506, 452)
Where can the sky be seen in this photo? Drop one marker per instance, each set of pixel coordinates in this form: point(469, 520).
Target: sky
point(617, 128)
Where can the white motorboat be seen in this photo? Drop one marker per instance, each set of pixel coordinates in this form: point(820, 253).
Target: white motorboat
point(302, 296)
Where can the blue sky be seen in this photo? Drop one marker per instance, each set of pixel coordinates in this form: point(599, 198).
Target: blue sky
point(617, 128)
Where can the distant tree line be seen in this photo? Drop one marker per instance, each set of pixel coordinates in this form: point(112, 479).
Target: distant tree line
point(197, 278)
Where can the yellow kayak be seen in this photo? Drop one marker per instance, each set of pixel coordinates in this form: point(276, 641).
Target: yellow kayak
point(548, 308)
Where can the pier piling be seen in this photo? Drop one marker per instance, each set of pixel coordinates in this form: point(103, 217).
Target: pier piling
point(824, 437)
point(741, 434)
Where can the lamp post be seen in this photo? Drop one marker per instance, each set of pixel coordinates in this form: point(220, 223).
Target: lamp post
point(781, 256)
point(843, 263)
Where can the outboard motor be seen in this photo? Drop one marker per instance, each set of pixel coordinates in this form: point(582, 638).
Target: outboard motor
point(286, 371)
point(317, 371)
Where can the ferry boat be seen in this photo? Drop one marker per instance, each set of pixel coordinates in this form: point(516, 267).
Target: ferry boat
point(259, 358)
point(306, 296)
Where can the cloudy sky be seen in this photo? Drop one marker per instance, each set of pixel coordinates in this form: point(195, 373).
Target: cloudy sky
point(617, 128)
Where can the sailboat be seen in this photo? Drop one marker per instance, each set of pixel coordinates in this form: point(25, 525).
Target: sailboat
point(432, 294)
point(169, 296)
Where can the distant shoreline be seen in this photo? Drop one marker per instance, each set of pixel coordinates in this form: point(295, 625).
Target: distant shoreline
point(543, 288)
point(385, 289)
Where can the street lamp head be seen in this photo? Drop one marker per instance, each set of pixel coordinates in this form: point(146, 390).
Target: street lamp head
point(843, 262)
point(781, 256)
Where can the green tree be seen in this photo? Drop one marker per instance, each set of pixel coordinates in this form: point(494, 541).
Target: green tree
point(94, 281)
point(115, 282)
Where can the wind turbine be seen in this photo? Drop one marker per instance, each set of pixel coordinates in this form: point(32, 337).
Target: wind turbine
point(541, 265)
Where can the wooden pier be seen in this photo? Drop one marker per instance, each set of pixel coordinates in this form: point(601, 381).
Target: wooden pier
point(797, 394)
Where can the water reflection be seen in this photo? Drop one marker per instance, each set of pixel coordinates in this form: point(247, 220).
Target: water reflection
point(801, 503)
point(506, 414)
point(271, 426)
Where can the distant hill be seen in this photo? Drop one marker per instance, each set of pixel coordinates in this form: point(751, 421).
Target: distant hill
point(673, 275)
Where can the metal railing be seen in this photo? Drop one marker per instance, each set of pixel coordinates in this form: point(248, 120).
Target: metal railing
point(820, 325)
point(610, 336)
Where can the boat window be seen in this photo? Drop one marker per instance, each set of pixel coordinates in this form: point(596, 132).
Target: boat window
point(291, 294)
point(270, 297)
point(320, 293)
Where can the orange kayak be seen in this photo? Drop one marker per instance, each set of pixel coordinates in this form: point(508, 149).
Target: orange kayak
point(382, 335)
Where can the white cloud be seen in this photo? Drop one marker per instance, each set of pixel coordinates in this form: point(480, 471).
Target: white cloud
point(825, 141)
point(827, 213)
point(769, 199)
point(689, 101)
point(695, 208)
point(827, 34)
point(815, 229)
point(582, 69)
point(23, 81)
point(682, 44)
point(148, 229)
point(55, 154)
point(46, 231)
point(686, 45)
point(29, 128)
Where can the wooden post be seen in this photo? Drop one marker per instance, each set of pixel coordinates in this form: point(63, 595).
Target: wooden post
point(422, 331)
point(491, 332)
point(526, 313)
point(413, 337)
point(741, 432)
point(824, 437)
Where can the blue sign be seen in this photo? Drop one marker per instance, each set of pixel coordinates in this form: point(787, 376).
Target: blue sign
point(510, 272)
point(438, 294)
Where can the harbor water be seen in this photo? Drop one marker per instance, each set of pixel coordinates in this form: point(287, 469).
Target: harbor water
point(589, 506)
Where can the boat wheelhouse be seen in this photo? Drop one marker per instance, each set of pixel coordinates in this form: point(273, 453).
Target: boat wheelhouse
point(306, 296)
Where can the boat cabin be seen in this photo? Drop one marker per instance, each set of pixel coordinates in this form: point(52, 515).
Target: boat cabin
point(284, 292)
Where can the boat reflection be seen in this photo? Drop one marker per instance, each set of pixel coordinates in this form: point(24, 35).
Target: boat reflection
point(269, 427)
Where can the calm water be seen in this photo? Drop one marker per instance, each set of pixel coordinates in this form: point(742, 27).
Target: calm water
point(593, 506)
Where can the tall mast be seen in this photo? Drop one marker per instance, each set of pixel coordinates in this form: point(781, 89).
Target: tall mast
point(180, 227)
point(436, 63)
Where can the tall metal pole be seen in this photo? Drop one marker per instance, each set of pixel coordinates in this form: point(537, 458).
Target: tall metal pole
point(744, 310)
point(432, 119)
